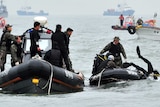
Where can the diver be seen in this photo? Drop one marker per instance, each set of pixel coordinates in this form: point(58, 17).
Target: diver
point(145, 72)
point(34, 37)
point(100, 64)
point(139, 21)
point(54, 57)
point(59, 44)
point(115, 48)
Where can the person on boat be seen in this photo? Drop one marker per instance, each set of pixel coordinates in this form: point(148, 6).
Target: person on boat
point(68, 34)
point(59, 43)
point(54, 57)
point(145, 73)
point(115, 48)
point(16, 53)
point(34, 37)
point(111, 64)
point(121, 18)
point(101, 63)
point(139, 21)
point(5, 44)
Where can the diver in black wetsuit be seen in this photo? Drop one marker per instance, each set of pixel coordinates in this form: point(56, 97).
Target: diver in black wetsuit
point(150, 67)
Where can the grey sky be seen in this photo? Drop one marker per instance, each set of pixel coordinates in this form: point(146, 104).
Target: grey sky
point(82, 7)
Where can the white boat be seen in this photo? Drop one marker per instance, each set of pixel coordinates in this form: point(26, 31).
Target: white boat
point(148, 32)
point(146, 29)
point(152, 33)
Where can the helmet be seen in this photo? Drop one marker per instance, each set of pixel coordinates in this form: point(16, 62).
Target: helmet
point(110, 57)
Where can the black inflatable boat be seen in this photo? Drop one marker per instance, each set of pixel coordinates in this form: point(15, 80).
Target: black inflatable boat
point(38, 76)
point(106, 75)
point(114, 75)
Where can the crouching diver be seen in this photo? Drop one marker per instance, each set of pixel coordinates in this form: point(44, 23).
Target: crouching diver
point(150, 67)
point(105, 64)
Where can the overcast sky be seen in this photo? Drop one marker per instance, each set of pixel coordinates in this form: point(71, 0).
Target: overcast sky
point(82, 7)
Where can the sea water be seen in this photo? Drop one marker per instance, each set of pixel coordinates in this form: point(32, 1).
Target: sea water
point(91, 34)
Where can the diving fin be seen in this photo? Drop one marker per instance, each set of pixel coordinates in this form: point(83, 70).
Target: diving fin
point(138, 51)
point(126, 65)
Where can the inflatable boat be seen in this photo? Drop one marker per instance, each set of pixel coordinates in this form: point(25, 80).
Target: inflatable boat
point(114, 75)
point(37, 76)
point(129, 21)
point(105, 71)
point(116, 27)
point(101, 74)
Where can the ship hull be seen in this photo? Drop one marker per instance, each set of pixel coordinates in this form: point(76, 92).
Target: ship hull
point(118, 13)
point(24, 13)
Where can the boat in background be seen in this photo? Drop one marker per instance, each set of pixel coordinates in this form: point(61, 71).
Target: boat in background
point(152, 33)
point(128, 21)
point(121, 9)
point(148, 32)
point(27, 11)
point(146, 29)
point(3, 10)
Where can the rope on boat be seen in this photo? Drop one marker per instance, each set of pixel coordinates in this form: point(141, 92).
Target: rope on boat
point(100, 77)
point(49, 82)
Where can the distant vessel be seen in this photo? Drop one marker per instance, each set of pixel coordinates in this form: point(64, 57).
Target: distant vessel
point(3, 10)
point(26, 11)
point(122, 9)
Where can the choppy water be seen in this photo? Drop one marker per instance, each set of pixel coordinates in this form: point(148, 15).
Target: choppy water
point(91, 34)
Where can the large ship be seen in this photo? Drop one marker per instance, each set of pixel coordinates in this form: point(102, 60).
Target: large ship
point(27, 11)
point(121, 9)
point(3, 10)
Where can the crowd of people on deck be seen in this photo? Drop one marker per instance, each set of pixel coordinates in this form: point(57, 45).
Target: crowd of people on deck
point(58, 55)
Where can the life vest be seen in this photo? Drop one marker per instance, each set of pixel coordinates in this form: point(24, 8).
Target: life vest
point(121, 18)
point(115, 50)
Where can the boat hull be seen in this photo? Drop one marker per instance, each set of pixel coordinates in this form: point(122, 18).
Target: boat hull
point(25, 13)
point(34, 77)
point(118, 27)
point(118, 13)
point(152, 33)
point(114, 75)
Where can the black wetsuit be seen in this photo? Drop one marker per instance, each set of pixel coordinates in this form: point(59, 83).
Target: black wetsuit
point(54, 57)
point(59, 42)
point(34, 36)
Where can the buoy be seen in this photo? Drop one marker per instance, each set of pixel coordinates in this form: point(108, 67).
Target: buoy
point(132, 29)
